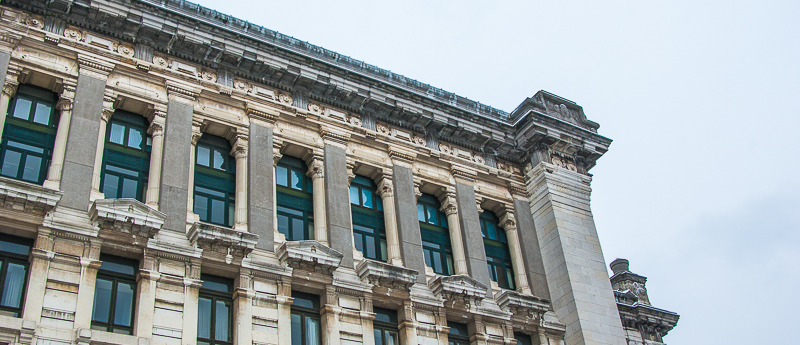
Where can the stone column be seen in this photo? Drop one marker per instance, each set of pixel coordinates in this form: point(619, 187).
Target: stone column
point(156, 131)
point(449, 208)
point(337, 197)
point(146, 296)
point(196, 135)
point(243, 310)
point(284, 301)
point(407, 324)
point(176, 159)
point(90, 263)
point(64, 106)
point(9, 90)
point(84, 131)
point(329, 316)
point(509, 223)
point(580, 289)
point(475, 253)
point(239, 151)
point(276, 157)
point(261, 181)
point(108, 111)
point(316, 172)
point(529, 244)
point(405, 207)
point(386, 191)
point(41, 256)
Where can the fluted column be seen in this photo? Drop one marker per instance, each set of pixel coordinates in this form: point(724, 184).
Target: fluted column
point(9, 90)
point(243, 309)
point(89, 267)
point(386, 191)
point(284, 301)
point(316, 172)
point(146, 281)
point(276, 157)
point(239, 152)
point(156, 131)
point(108, 111)
point(448, 201)
point(508, 222)
point(64, 106)
point(196, 134)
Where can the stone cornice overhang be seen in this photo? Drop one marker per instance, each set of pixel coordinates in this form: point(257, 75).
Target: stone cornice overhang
point(235, 47)
point(638, 314)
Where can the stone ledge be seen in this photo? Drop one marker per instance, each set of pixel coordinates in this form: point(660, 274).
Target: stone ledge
point(213, 237)
point(386, 275)
point(27, 197)
point(459, 288)
point(519, 303)
point(16, 330)
point(309, 255)
point(127, 216)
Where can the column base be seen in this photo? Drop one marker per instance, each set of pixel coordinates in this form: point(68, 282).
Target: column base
point(52, 184)
point(95, 195)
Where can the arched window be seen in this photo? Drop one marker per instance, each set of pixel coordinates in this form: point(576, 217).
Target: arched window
point(295, 200)
point(369, 232)
point(498, 257)
point(435, 235)
point(126, 157)
point(29, 135)
point(214, 181)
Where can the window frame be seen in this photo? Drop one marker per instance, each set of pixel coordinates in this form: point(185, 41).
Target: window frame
point(368, 222)
point(454, 336)
point(215, 296)
point(123, 156)
point(30, 133)
point(116, 278)
point(498, 254)
point(386, 327)
point(303, 312)
point(435, 235)
point(293, 203)
point(211, 180)
point(16, 258)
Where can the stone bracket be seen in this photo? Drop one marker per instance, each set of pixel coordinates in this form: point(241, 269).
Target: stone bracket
point(309, 255)
point(127, 216)
point(385, 275)
point(27, 197)
point(459, 289)
point(213, 237)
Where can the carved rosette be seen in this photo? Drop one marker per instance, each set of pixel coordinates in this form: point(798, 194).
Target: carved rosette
point(355, 121)
point(208, 76)
point(381, 274)
point(160, 62)
point(74, 34)
point(35, 21)
point(285, 99)
point(310, 256)
point(241, 86)
point(418, 140)
point(315, 109)
point(124, 49)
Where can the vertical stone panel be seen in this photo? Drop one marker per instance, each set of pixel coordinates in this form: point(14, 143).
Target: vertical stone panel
point(261, 188)
point(472, 235)
point(82, 142)
point(337, 203)
point(175, 165)
point(407, 221)
point(4, 59)
point(573, 261)
point(531, 253)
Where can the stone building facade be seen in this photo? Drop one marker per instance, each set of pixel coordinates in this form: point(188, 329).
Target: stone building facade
point(173, 175)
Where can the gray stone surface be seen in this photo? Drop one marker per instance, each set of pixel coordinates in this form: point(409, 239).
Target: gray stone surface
point(82, 142)
point(472, 235)
point(337, 203)
point(260, 186)
point(405, 204)
point(531, 253)
point(4, 58)
point(175, 165)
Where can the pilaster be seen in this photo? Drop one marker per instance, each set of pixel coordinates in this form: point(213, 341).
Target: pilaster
point(178, 156)
point(261, 177)
point(409, 238)
point(156, 131)
point(337, 196)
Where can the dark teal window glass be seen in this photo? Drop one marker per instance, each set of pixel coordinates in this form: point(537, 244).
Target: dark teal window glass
point(498, 256)
point(458, 334)
point(126, 157)
point(369, 228)
point(13, 273)
point(305, 319)
point(436, 246)
point(385, 327)
point(522, 339)
point(115, 295)
point(214, 311)
point(214, 181)
point(28, 135)
point(295, 200)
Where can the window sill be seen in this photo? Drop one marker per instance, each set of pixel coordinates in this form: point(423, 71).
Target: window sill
point(28, 197)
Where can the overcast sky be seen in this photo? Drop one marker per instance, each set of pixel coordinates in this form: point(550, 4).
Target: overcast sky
point(700, 188)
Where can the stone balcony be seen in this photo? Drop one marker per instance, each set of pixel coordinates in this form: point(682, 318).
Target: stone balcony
point(459, 289)
point(126, 216)
point(310, 256)
point(222, 239)
point(522, 304)
point(381, 274)
point(27, 197)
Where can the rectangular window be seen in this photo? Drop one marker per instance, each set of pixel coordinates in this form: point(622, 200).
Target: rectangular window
point(385, 327)
point(214, 311)
point(305, 319)
point(114, 295)
point(458, 334)
point(13, 273)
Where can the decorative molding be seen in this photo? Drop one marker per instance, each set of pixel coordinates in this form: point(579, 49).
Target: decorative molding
point(27, 197)
point(522, 304)
point(127, 216)
point(381, 274)
point(310, 256)
point(221, 239)
point(459, 289)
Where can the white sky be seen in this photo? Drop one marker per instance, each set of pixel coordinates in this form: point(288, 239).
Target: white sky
point(699, 188)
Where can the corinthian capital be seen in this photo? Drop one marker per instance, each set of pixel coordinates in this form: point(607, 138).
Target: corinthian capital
point(315, 169)
point(10, 88)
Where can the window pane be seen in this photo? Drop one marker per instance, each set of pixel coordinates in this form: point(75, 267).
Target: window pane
point(491, 230)
point(110, 185)
point(12, 289)
point(359, 242)
point(312, 331)
point(32, 166)
point(217, 211)
point(201, 207)
point(231, 213)
point(378, 337)
point(135, 138)
point(116, 134)
point(221, 327)
point(450, 268)
point(297, 331)
point(354, 195)
point(129, 188)
point(11, 164)
point(219, 160)
point(123, 307)
point(128, 172)
point(380, 204)
point(310, 226)
point(298, 229)
point(366, 197)
point(297, 180)
point(14, 248)
point(25, 147)
point(22, 109)
point(203, 156)
point(210, 192)
point(283, 225)
point(383, 250)
point(290, 211)
point(437, 263)
point(102, 300)
point(370, 246)
point(391, 338)
point(431, 212)
point(420, 212)
point(281, 175)
point(42, 115)
point(428, 259)
point(204, 318)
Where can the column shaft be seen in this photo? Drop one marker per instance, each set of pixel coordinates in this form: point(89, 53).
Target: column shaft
point(240, 153)
point(98, 157)
point(156, 132)
point(337, 203)
point(261, 186)
point(520, 278)
point(175, 163)
point(60, 146)
point(145, 303)
point(407, 222)
point(456, 242)
point(475, 252)
point(385, 189)
point(196, 134)
point(316, 172)
point(191, 296)
point(83, 313)
point(9, 89)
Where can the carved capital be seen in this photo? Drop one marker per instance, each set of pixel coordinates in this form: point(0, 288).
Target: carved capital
point(64, 104)
point(315, 168)
point(239, 149)
point(385, 187)
point(181, 92)
point(93, 67)
point(254, 112)
point(196, 133)
point(508, 221)
point(448, 201)
point(156, 129)
point(10, 88)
